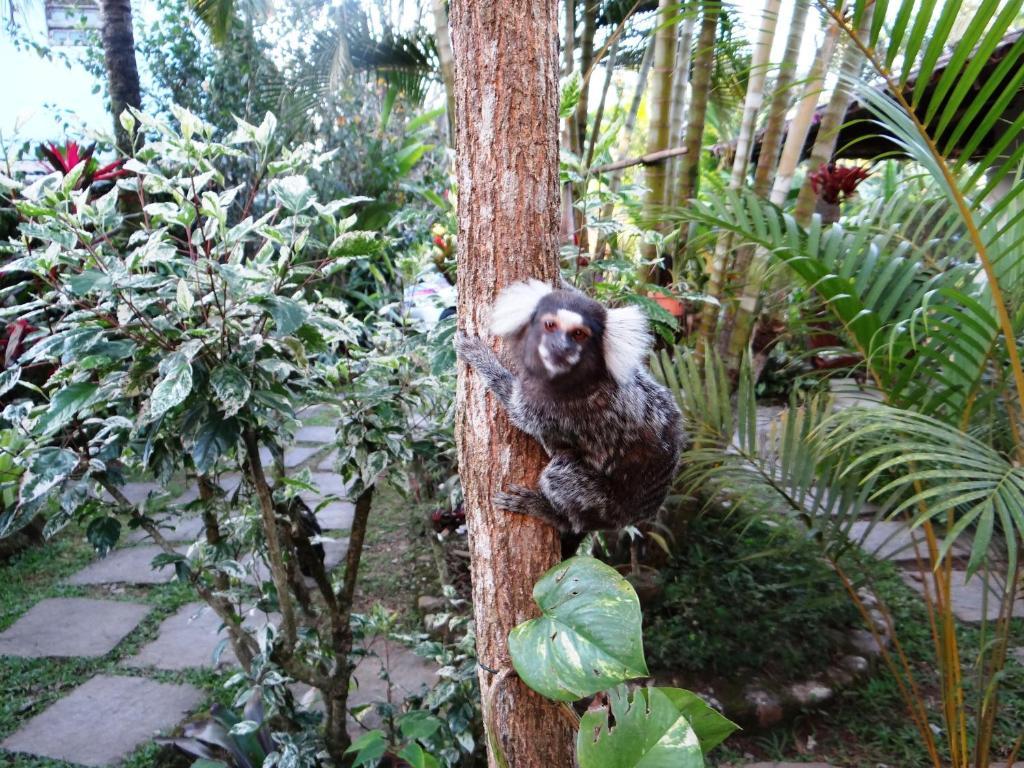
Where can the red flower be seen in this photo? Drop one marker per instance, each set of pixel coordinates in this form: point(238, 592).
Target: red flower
point(834, 184)
point(67, 158)
point(110, 171)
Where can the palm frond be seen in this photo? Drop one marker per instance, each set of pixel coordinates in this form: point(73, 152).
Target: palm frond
point(924, 329)
point(934, 470)
point(778, 468)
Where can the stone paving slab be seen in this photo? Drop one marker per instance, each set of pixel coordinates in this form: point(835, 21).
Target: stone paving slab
point(1018, 654)
point(409, 674)
point(71, 626)
point(185, 529)
point(893, 540)
point(131, 565)
point(188, 638)
point(316, 434)
point(103, 720)
point(336, 516)
point(967, 596)
point(326, 464)
point(334, 553)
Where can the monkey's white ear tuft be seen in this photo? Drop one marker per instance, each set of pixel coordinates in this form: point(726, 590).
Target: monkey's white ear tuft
point(515, 305)
point(627, 342)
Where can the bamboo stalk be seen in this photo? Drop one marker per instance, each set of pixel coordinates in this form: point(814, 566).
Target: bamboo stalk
point(680, 82)
point(796, 137)
point(700, 85)
point(659, 107)
point(744, 140)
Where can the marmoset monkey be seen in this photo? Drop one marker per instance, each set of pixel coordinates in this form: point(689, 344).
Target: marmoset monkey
point(582, 389)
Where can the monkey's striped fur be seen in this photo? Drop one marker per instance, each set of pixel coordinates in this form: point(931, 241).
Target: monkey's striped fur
point(581, 389)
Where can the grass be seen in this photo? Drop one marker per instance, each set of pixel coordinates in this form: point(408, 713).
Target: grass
point(867, 725)
point(397, 565)
point(28, 686)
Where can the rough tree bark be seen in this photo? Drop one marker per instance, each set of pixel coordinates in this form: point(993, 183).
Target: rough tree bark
point(506, 85)
point(122, 71)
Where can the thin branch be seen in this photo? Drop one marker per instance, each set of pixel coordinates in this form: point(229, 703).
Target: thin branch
point(650, 159)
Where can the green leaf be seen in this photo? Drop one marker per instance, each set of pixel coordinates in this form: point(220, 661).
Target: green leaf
point(48, 467)
point(589, 636)
point(8, 379)
point(103, 533)
point(367, 748)
point(356, 243)
point(288, 314)
point(569, 96)
point(711, 726)
point(65, 405)
point(185, 298)
point(174, 386)
point(417, 757)
point(231, 387)
point(293, 192)
point(649, 732)
point(215, 438)
point(418, 724)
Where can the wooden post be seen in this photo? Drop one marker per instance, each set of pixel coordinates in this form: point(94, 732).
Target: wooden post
point(506, 86)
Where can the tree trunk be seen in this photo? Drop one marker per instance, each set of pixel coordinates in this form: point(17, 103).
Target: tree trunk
point(444, 60)
point(680, 80)
point(832, 120)
point(625, 136)
point(659, 125)
point(586, 62)
point(122, 71)
point(796, 137)
point(506, 76)
point(744, 141)
point(775, 125)
point(703, 59)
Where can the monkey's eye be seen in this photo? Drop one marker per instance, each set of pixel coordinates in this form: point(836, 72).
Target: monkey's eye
point(579, 335)
point(550, 325)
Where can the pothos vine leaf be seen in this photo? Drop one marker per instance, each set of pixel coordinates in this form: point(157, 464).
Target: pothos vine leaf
point(589, 637)
point(649, 731)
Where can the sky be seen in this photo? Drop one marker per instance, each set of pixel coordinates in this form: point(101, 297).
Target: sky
point(33, 83)
point(38, 86)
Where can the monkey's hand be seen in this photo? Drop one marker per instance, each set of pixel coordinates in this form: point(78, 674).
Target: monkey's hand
point(526, 501)
point(475, 352)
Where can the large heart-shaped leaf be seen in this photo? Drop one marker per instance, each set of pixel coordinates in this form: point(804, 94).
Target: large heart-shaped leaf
point(649, 732)
point(589, 637)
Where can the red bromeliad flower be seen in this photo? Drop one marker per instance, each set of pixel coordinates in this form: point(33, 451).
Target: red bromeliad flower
point(67, 158)
point(834, 184)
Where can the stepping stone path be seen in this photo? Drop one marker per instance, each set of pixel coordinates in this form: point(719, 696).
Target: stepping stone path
point(894, 540)
point(71, 626)
point(188, 640)
point(131, 565)
point(103, 720)
point(108, 717)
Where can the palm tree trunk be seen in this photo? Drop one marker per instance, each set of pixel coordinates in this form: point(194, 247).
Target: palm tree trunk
point(659, 106)
point(744, 140)
point(680, 80)
point(626, 134)
point(445, 62)
point(775, 125)
point(507, 173)
point(586, 60)
point(796, 138)
point(832, 120)
point(595, 133)
point(122, 71)
point(700, 85)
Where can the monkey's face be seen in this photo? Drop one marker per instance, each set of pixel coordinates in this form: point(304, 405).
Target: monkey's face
point(564, 336)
